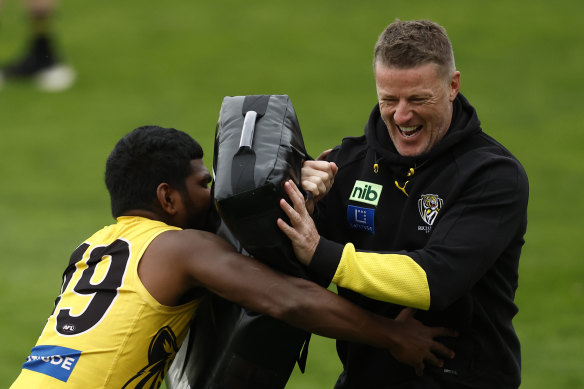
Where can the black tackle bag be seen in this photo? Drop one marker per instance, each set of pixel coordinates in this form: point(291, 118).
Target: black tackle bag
point(258, 146)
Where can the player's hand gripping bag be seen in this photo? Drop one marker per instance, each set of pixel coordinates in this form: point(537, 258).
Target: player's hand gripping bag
point(258, 146)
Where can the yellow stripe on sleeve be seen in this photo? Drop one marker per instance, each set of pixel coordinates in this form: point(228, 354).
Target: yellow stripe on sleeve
point(393, 278)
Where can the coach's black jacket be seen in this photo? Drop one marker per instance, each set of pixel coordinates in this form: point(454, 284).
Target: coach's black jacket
point(442, 232)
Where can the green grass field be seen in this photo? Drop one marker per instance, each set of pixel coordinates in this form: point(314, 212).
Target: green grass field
point(171, 63)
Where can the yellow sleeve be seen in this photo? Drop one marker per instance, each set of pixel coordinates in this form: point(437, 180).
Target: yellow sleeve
point(393, 278)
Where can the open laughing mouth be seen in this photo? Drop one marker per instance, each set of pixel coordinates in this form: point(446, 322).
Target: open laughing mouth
point(409, 131)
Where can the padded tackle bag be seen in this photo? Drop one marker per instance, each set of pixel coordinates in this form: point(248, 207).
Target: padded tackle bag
point(258, 146)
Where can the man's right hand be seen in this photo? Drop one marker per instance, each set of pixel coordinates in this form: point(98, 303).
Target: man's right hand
point(318, 177)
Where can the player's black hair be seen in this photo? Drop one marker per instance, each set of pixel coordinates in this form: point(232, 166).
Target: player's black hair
point(145, 158)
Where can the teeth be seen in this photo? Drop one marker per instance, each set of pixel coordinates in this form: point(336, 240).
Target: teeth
point(409, 131)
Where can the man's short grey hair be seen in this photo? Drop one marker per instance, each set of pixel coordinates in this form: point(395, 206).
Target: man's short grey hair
point(409, 44)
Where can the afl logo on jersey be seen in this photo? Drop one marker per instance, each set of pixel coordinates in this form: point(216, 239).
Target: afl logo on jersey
point(68, 328)
point(429, 205)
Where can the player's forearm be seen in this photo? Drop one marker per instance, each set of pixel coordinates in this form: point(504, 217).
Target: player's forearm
point(296, 301)
point(306, 305)
point(324, 313)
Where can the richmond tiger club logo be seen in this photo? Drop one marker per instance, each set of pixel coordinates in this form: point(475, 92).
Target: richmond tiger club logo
point(429, 205)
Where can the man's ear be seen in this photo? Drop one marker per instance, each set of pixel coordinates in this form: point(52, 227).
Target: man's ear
point(454, 85)
point(167, 198)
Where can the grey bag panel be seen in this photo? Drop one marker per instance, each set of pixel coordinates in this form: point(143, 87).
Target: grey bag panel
point(277, 144)
point(250, 210)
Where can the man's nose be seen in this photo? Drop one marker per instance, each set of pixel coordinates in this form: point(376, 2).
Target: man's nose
point(403, 113)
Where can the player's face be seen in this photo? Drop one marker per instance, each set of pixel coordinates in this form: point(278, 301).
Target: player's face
point(197, 198)
point(416, 105)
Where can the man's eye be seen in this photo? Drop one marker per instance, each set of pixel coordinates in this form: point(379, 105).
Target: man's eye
point(388, 102)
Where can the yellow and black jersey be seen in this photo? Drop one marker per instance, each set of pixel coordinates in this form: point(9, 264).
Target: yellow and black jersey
point(106, 330)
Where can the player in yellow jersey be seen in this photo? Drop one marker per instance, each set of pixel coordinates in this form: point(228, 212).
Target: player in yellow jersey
point(130, 290)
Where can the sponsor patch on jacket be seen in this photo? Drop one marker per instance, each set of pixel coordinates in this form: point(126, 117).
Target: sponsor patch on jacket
point(366, 192)
point(55, 361)
point(362, 219)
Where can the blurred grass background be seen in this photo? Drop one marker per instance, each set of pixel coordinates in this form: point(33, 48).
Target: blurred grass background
point(171, 64)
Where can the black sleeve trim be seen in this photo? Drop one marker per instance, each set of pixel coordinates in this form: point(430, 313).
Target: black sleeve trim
point(325, 261)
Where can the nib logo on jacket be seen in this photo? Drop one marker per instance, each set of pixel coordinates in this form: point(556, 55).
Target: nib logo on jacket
point(366, 192)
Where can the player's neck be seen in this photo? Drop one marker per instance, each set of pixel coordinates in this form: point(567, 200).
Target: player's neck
point(144, 213)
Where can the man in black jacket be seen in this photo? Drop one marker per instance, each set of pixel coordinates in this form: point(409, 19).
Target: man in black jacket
point(427, 210)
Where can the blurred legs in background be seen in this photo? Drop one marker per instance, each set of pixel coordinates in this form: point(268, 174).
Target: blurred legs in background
point(40, 61)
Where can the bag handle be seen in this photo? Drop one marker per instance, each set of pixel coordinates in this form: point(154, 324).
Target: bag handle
point(246, 139)
point(243, 163)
